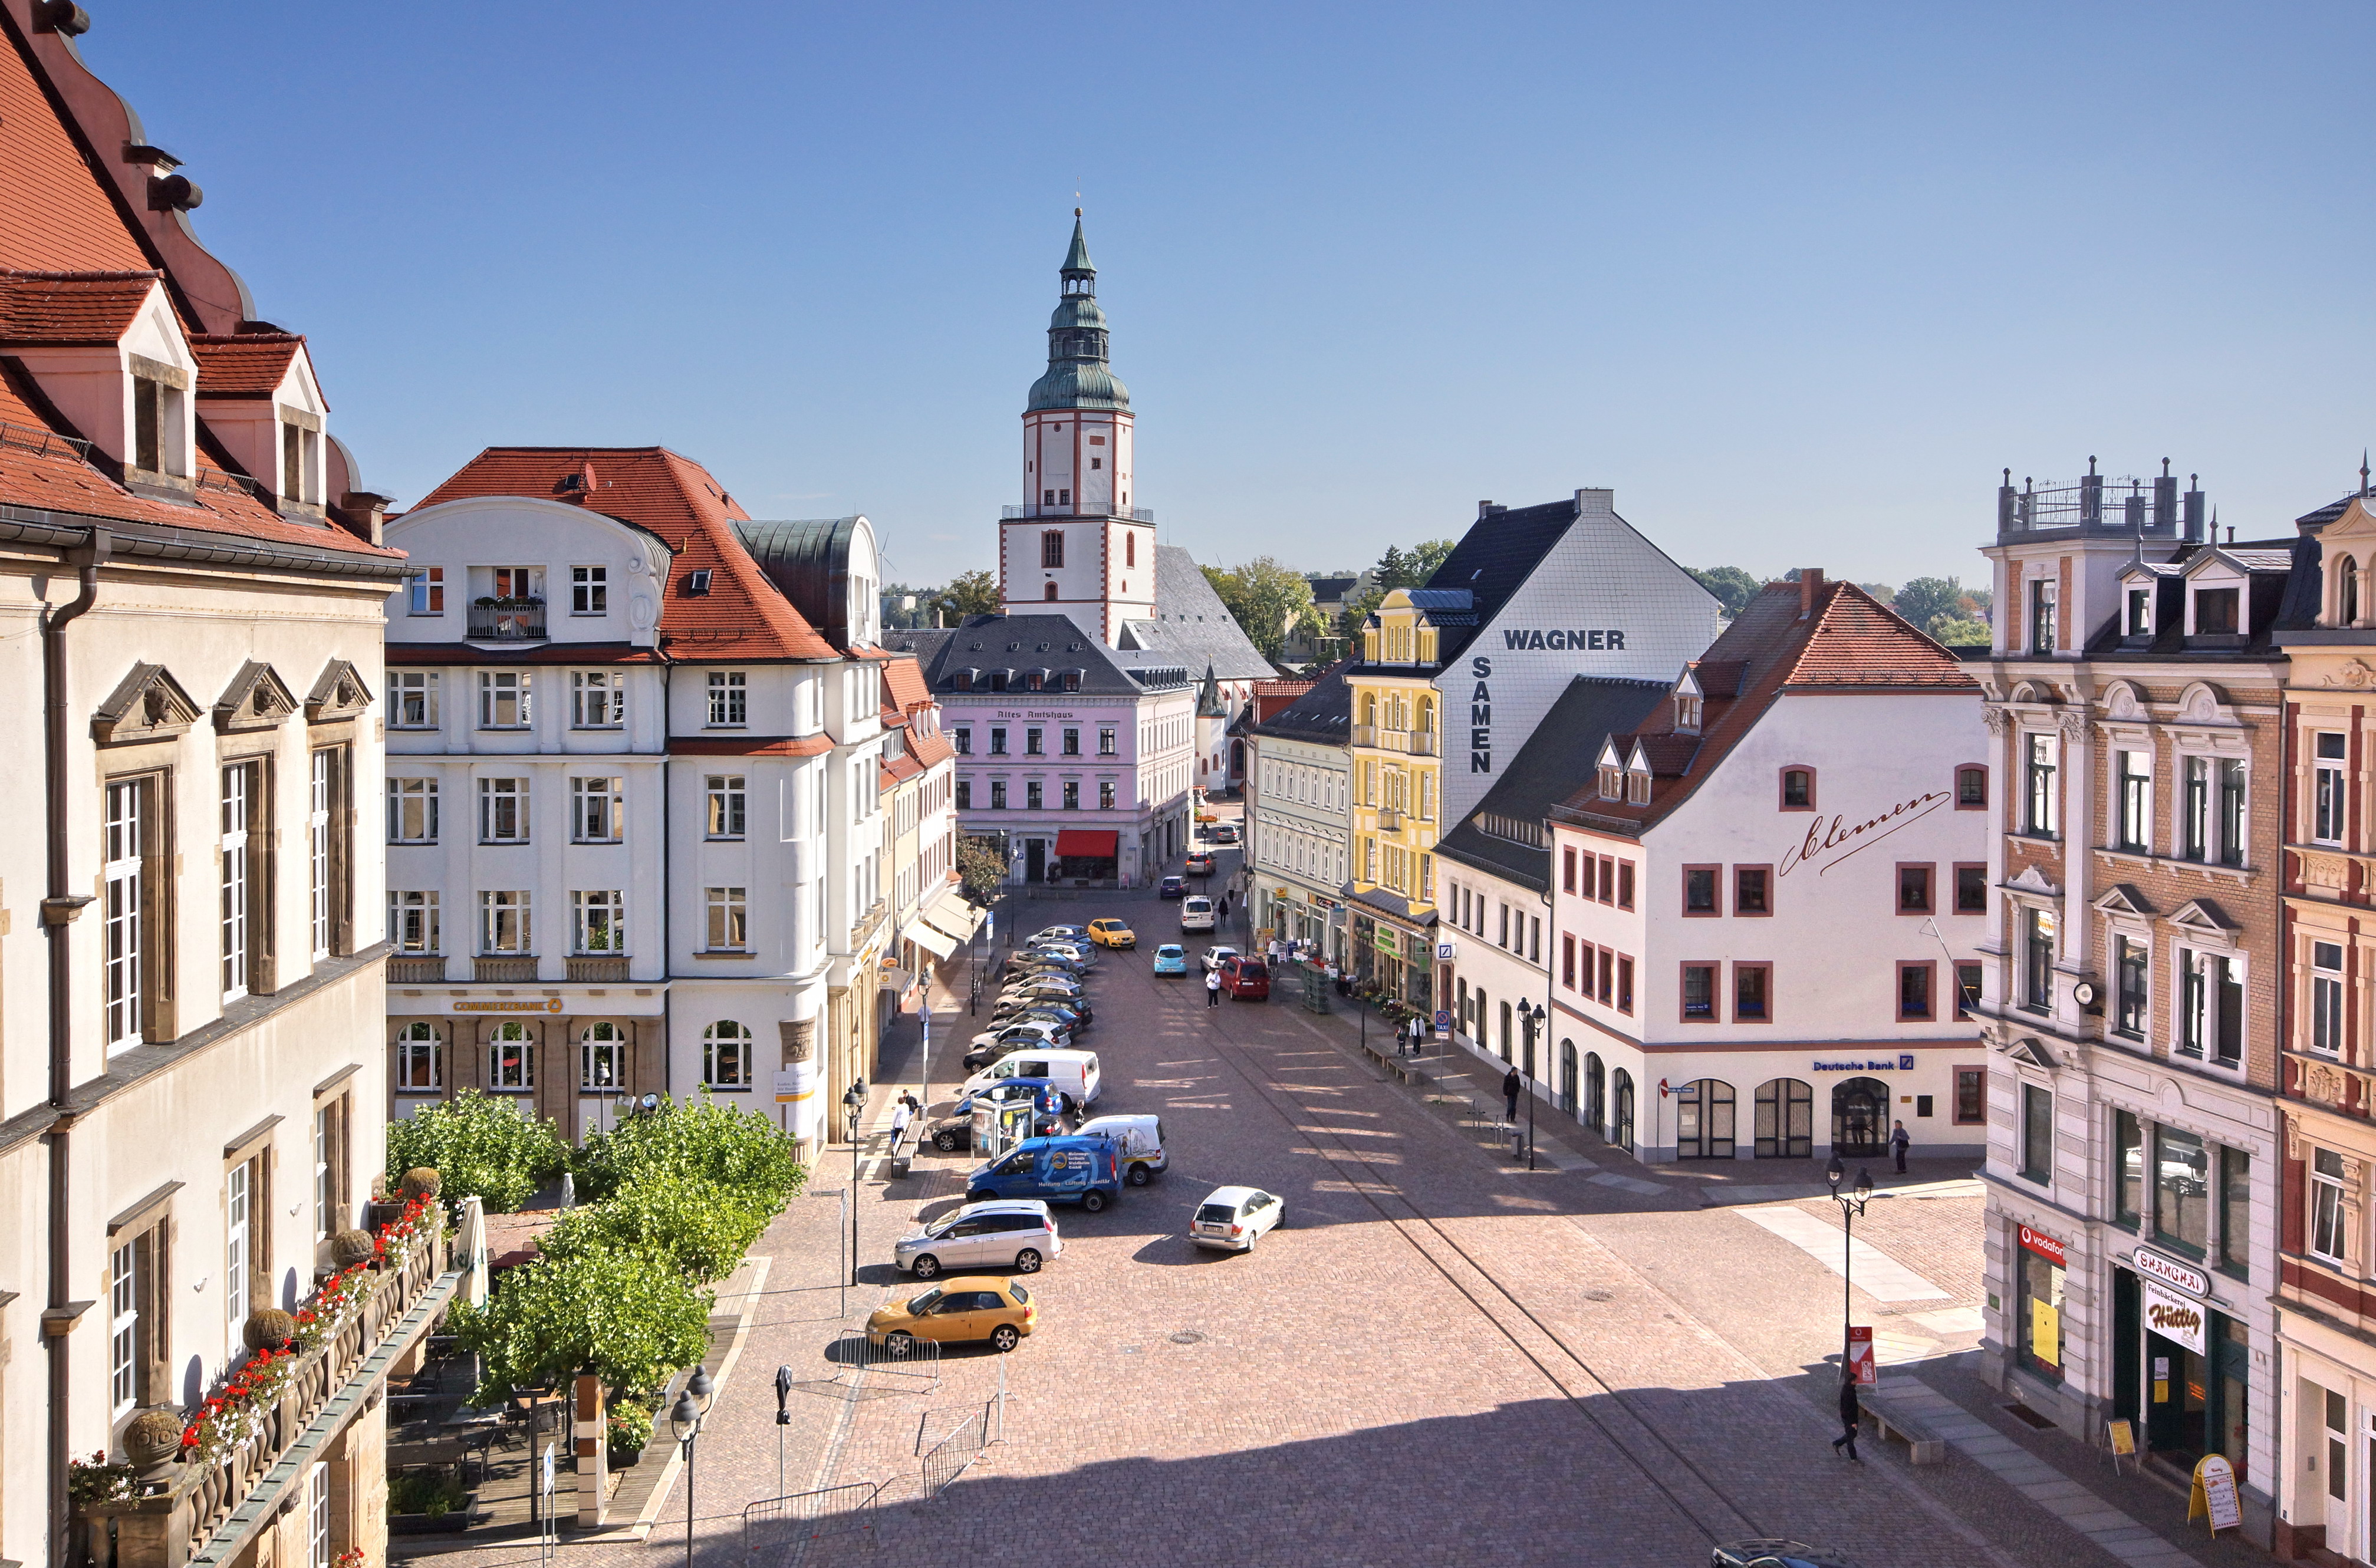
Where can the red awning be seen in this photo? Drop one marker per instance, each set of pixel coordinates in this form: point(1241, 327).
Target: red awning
point(1088, 844)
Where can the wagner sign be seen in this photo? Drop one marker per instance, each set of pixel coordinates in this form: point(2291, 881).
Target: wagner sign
point(1529, 638)
point(1824, 839)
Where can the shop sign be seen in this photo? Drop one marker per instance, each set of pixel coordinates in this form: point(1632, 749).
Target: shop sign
point(2213, 1496)
point(1447, 951)
point(2045, 1246)
point(1904, 1064)
point(550, 1004)
point(1384, 937)
point(2192, 1280)
point(2174, 1317)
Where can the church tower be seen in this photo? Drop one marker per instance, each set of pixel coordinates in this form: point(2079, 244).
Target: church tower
point(1076, 546)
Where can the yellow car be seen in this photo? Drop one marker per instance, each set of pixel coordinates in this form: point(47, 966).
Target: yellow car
point(1112, 933)
point(974, 1306)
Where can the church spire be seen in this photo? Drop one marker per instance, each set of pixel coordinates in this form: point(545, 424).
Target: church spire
point(1076, 261)
point(1078, 374)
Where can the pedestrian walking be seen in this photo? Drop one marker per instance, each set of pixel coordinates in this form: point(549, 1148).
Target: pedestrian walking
point(1851, 1419)
point(1897, 1144)
point(1212, 988)
point(1225, 906)
point(1511, 1085)
point(1418, 1035)
point(901, 1114)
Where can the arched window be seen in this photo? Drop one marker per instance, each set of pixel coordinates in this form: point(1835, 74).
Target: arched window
point(602, 1059)
point(1595, 1111)
point(726, 1055)
point(1704, 1120)
point(1567, 1076)
point(1971, 788)
point(2347, 593)
point(511, 1058)
point(1426, 725)
point(420, 1058)
point(1798, 789)
point(1620, 1122)
point(1051, 594)
point(1370, 708)
point(1785, 1118)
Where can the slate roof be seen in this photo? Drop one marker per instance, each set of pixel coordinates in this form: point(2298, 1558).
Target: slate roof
point(1564, 747)
point(2283, 592)
point(1324, 714)
point(743, 616)
point(1193, 626)
point(1021, 643)
point(1328, 590)
point(1851, 643)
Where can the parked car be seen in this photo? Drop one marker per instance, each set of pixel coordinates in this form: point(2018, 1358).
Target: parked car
point(1200, 862)
point(1053, 1013)
point(1045, 988)
point(975, 1306)
point(1075, 1072)
point(1085, 954)
point(1060, 934)
point(1173, 888)
point(993, 1235)
point(1138, 1139)
point(1236, 1217)
point(954, 1131)
point(1215, 956)
point(1246, 979)
point(1172, 959)
point(1041, 963)
point(1070, 1169)
point(1196, 914)
point(1112, 932)
point(992, 1044)
point(1226, 833)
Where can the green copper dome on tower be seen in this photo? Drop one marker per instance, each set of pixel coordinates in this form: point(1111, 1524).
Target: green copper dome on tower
point(1077, 376)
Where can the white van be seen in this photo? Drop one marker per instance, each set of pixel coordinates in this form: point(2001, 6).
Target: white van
point(1138, 1140)
point(1073, 1072)
point(1196, 914)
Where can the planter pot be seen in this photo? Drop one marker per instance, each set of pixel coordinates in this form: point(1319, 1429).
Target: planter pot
point(447, 1524)
point(624, 1458)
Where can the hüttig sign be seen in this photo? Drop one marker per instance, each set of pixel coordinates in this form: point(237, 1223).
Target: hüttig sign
point(2174, 1317)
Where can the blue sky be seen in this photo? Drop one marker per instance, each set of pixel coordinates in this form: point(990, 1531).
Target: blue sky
point(1796, 281)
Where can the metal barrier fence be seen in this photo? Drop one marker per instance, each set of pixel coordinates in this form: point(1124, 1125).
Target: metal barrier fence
point(775, 1524)
point(953, 1455)
point(854, 1353)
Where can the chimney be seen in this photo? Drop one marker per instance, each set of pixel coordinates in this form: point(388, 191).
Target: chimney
point(1810, 582)
point(366, 514)
point(1485, 509)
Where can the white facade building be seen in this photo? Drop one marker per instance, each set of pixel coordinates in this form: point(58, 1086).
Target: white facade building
point(1772, 897)
point(635, 832)
point(1298, 816)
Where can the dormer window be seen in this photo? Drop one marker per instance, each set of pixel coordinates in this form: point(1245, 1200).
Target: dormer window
point(159, 439)
point(301, 457)
point(2139, 619)
point(697, 584)
point(1687, 714)
point(2215, 612)
point(2347, 593)
point(1612, 781)
point(1637, 786)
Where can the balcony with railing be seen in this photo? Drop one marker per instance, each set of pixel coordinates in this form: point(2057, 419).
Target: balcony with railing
point(1414, 742)
point(416, 970)
point(202, 1486)
point(507, 620)
point(598, 968)
point(1013, 514)
point(514, 969)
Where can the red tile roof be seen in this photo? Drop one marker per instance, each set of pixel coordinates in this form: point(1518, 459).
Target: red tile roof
point(742, 617)
point(53, 212)
point(250, 364)
point(1850, 644)
point(71, 307)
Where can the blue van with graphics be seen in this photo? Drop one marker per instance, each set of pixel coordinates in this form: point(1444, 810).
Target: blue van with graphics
point(1065, 1170)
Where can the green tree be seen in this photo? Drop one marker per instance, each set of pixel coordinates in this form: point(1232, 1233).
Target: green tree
point(1925, 598)
point(1398, 568)
point(480, 1146)
point(699, 1228)
point(1267, 597)
point(740, 1150)
point(1732, 587)
point(968, 593)
point(1425, 557)
point(1881, 591)
point(1958, 631)
point(981, 870)
point(621, 1311)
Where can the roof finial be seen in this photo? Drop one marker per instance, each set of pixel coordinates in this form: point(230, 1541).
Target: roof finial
point(2363, 470)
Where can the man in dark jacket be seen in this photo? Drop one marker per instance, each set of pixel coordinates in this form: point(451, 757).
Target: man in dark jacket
point(1511, 1085)
point(1897, 1142)
point(1851, 1418)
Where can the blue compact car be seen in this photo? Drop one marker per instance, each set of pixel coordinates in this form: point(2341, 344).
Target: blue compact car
point(1172, 959)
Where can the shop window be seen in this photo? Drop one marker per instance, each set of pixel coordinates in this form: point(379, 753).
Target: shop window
point(2039, 1308)
point(420, 1058)
point(2182, 1191)
point(2236, 1212)
point(2128, 1169)
point(2036, 1134)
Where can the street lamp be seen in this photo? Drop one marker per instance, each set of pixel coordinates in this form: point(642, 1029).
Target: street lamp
point(1534, 1015)
point(684, 1420)
point(853, 1100)
point(1851, 1203)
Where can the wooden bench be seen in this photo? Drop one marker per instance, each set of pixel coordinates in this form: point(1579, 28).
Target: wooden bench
point(1925, 1446)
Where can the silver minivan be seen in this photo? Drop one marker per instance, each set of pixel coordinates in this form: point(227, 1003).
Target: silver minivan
point(1001, 1234)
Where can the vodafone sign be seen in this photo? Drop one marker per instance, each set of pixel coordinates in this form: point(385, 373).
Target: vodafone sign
point(2044, 1245)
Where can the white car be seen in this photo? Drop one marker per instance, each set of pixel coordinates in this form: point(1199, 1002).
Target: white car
point(1216, 957)
point(1196, 914)
point(1010, 1231)
point(1234, 1218)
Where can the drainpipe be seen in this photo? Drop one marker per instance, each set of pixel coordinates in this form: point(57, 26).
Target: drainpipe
point(58, 909)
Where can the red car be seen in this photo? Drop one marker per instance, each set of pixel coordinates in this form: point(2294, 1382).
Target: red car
point(1246, 977)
